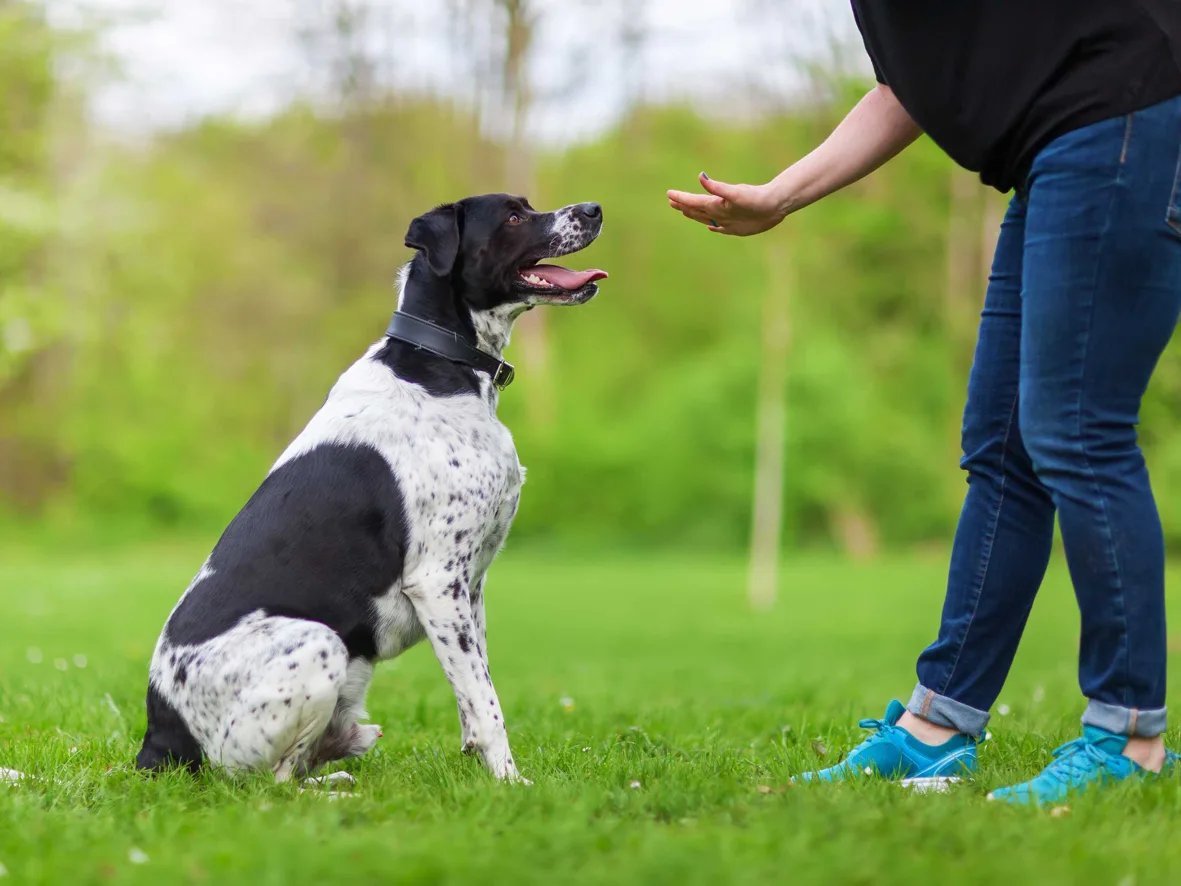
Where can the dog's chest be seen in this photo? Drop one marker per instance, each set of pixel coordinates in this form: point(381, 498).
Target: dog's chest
point(457, 470)
point(442, 450)
point(460, 502)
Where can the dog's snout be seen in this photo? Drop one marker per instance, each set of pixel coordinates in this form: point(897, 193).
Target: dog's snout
point(592, 211)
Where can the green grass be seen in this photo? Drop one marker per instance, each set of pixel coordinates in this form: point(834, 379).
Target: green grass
point(612, 671)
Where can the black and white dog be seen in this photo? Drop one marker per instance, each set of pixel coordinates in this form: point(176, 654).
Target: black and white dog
point(378, 524)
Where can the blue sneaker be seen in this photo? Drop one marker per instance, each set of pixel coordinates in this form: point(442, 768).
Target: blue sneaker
point(1094, 759)
point(893, 753)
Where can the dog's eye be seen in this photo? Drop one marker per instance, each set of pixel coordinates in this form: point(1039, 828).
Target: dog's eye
point(515, 219)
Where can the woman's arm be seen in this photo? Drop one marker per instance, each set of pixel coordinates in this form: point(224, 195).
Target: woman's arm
point(872, 133)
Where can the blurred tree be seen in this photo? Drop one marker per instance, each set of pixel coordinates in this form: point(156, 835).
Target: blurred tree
point(182, 303)
point(33, 355)
point(520, 23)
point(770, 436)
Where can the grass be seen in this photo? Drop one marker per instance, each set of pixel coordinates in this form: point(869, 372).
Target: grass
point(658, 718)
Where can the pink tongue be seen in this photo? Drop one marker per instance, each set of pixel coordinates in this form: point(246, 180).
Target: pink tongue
point(564, 278)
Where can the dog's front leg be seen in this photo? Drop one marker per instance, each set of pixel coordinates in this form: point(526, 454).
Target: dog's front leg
point(444, 608)
point(480, 630)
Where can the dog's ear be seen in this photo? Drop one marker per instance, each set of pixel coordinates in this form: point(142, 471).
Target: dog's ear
point(436, 234)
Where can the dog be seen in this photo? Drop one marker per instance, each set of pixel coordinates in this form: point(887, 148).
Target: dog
point(376, 527)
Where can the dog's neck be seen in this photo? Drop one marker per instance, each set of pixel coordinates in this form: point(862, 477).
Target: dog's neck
point(429, 297)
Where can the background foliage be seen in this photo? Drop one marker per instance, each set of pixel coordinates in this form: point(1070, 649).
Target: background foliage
point(175, 302)
point(173, 310)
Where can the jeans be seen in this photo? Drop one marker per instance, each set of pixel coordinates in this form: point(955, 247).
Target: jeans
point(1082, 299)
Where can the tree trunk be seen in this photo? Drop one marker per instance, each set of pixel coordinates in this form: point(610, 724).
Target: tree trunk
point(964, 285)
point(532, 332)
point(771, 431)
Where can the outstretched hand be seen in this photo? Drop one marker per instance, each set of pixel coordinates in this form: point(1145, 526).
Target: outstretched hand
point(740, 210)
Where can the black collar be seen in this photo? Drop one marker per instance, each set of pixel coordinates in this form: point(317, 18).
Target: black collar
point(447, 344)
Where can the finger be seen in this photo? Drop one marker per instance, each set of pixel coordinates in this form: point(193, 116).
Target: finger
point(698, 217)
point(704, 212)
point(717, 188)
point(702, 202)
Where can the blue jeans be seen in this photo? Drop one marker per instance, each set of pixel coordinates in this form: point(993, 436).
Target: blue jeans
point(1083, 297)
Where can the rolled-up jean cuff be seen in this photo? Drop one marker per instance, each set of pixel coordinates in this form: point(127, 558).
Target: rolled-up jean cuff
point(1125, 721)
point(947, 712)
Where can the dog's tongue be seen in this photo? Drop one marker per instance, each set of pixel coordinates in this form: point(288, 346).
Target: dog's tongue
point(565, 278)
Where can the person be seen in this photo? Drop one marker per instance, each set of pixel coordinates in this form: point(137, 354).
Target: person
point(1075, 105)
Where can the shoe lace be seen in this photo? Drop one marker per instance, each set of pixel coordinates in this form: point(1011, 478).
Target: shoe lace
point(879, 728)
point(1076, 759)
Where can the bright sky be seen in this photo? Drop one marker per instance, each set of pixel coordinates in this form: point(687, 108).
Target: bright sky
point(182, 59)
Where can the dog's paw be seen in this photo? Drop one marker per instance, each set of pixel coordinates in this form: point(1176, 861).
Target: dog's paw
point(365, 737)
point(469, 747)
point(506, 771)
point(332, 779)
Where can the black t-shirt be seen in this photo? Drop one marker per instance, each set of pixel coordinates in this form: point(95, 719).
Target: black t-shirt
point(992, 81)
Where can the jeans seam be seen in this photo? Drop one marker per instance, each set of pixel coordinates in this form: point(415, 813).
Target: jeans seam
point(1082, 448)
point(987, 556)
point(1171, 215)
point(1123, 153)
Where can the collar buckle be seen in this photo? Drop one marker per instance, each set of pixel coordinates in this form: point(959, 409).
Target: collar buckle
point(445, 343)
point(504, 375)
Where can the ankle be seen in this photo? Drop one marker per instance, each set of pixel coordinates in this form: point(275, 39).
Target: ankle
point(926, 731)
point(1148, 753)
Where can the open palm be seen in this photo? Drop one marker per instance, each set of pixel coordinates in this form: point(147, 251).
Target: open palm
point(740, 210)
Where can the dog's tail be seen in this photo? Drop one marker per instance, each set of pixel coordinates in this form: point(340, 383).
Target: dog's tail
point(168, 743)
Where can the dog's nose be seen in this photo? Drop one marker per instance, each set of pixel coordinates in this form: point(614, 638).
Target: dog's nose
point(590, 210)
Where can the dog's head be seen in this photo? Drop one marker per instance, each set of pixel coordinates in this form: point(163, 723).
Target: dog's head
point(489, 249)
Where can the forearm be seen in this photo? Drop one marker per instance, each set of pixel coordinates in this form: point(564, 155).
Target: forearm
point(876, 130)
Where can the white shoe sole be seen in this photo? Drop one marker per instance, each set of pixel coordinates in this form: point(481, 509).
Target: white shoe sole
point(934, 785)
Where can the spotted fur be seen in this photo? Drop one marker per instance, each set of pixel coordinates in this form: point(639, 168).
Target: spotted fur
point(374, 529)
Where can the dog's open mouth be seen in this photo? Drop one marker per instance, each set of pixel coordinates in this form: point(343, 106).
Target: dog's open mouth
point(559, 283)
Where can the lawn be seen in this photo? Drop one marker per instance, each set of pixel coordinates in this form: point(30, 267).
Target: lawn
point(658, 718)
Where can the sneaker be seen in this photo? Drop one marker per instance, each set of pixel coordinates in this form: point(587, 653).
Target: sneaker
point(1094, 759)
point(893, 753)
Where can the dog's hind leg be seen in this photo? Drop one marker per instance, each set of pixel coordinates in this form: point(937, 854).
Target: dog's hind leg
point(345, 737)
point(290, 680)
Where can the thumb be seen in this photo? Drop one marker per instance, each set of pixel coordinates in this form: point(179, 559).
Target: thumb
point(718, 189)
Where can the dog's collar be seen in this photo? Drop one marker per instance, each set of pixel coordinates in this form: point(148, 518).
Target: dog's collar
point(445, 343)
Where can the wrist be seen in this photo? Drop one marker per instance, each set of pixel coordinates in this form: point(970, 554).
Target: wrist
point(783, 194)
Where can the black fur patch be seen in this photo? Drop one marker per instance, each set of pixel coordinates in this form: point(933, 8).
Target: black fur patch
point(168, 741)
point(323, 535)
point(438, 376)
